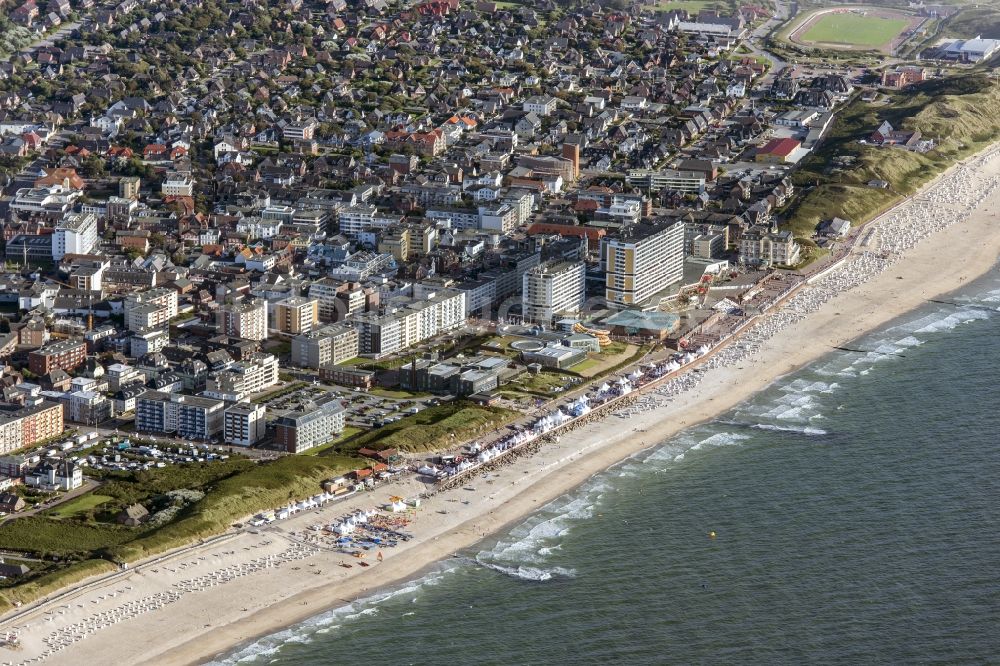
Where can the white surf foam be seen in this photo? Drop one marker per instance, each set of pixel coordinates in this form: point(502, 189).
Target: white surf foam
point(806, 430)
point(262, 650)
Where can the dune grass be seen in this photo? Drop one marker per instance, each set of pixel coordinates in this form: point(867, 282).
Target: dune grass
point(961, 114)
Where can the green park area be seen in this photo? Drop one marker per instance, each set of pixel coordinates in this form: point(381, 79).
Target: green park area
point(855, 30)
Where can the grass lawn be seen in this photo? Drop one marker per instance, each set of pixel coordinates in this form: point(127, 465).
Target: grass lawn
point(983, 20)
point(544, 383)
point(77, 506)
point(854, 30)
point(615, 348)
point(349, 431)
point(587, 364)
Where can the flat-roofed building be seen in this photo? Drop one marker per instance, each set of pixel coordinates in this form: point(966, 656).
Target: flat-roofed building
point(294, 315)
point(643, 261)
point(300, 431)
point(553, 288)
point(28, 426)
point(332, 344)
point(241, 380)
point(63, 355)
point(244, 424)
point(671, 180)
point(246, 319)
point(76, 233)
point(190, 416)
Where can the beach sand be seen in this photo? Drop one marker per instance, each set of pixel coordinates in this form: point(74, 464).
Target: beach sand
point(210, 618)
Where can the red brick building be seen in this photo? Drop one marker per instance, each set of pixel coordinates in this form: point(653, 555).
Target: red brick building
point(64, 355)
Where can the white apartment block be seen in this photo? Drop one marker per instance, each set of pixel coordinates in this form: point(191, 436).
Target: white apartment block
point(178, 185)
point(150, 309)
point(330, 345)
point(354, 219)
point(502, 219)
point(259, 228)
point(242, 380)
point(76, 233)
point(325, 292)
point(246, 319)
point(762, 247)
point(300, 131)
point(408, 323)
point(643, 261)
point(244, 424)
point(540, 105)
point(552, 289)
point(667, 179)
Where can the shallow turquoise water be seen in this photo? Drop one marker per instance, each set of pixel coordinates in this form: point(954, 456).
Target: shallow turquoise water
point(855, 508)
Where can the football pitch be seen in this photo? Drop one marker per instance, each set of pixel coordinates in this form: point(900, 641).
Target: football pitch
point(855, 30)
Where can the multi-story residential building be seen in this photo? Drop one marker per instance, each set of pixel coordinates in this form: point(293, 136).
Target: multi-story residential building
point(407, 322)
point(244, 424)
point(75, 234)
point(552, 289)
point(294, 315)
point(509, 277)
point(28, 426)
point(128, 187)
point(148, 341)
point(190, 416)
point(325, 292)
point(643, 261)
point(259, 228)
point(304, 130)
point(500, 218)
point(64, 355)
point(296, 432)
point(540, 105)
point(458, 217)
point(692, 182)
point(245, 319)
point(244, 379)
point(150, 309)
point(178, 184)
point(120, 375)
point(332, 344)
point(354, 219)
point(397, 243)
point(63, 475)
point(760, 246)
point(87, 407)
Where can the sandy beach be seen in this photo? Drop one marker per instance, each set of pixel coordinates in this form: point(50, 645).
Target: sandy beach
point(202, 602)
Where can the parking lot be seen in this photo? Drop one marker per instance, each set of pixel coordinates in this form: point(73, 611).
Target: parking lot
point(364, 410)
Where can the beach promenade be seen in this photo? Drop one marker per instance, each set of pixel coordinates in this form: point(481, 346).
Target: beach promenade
point(186, 608)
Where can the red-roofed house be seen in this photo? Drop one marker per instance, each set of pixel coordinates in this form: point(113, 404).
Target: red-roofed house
point(64, 176)
point(777, 151)
point(154, 151)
